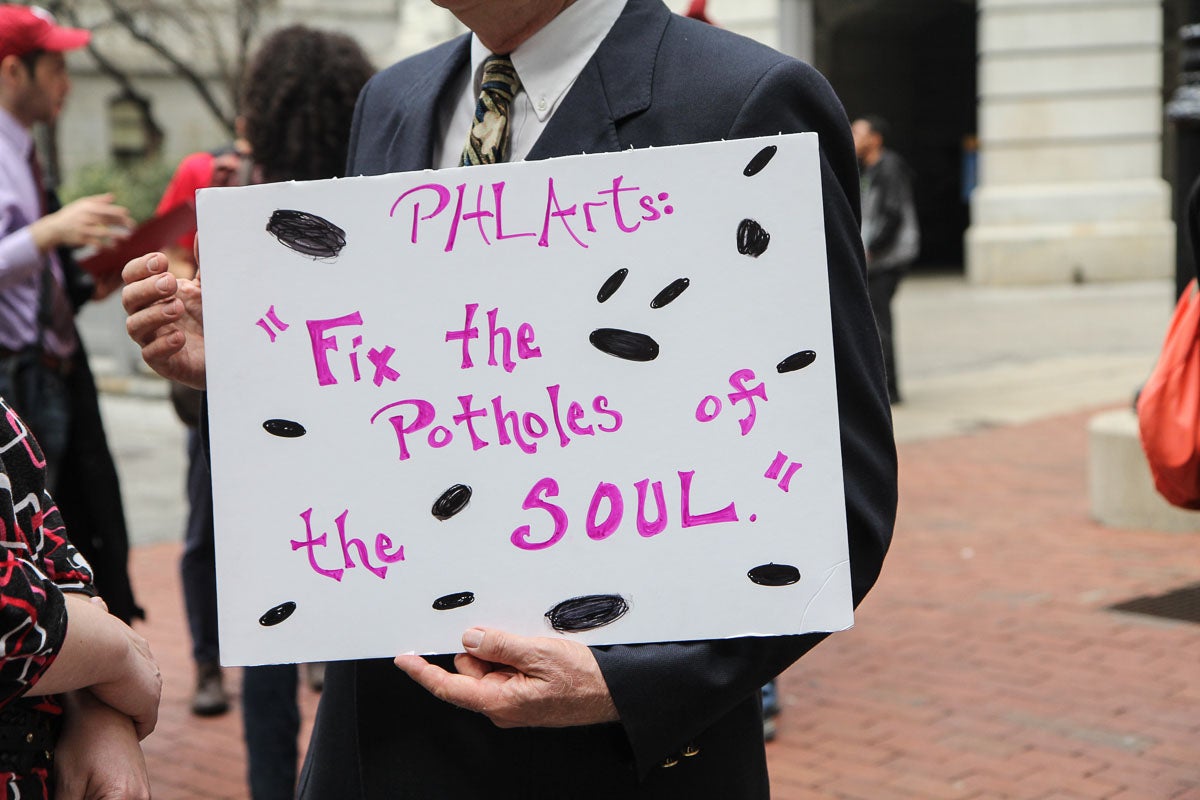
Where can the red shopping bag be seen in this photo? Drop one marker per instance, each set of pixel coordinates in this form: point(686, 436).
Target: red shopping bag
point(1168, 407)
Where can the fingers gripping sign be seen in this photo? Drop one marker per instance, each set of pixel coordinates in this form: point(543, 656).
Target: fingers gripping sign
point(165, 318)
point(519, 681)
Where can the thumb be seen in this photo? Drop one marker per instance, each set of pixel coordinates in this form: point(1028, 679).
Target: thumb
point(498, 647)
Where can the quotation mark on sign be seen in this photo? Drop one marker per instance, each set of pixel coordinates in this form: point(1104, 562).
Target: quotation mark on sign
point(271, 318)
point(776, 468)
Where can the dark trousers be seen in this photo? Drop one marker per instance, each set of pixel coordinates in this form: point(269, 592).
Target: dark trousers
point(270, 711)
point(40, 396)
point(198, 566)
point(881, 285)
point(271, 720)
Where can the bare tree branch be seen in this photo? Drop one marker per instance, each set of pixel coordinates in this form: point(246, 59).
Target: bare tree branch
point(140, 33)
point(118, 76)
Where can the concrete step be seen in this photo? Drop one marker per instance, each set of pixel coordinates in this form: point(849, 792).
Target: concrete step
point(1120, 489)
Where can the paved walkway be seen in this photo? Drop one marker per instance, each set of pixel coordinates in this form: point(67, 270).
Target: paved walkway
point(984, 665)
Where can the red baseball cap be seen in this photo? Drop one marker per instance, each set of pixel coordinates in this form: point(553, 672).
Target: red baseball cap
point(24, 29)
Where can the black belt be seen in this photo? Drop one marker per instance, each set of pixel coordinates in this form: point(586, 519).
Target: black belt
point(56, 364)
point(27, 739)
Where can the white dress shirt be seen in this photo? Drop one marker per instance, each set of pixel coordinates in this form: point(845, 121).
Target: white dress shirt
point(547, 63)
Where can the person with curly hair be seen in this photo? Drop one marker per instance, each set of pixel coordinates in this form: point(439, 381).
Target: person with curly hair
point(297, 103)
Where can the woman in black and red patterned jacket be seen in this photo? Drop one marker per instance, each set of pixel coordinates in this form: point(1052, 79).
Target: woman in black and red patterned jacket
point(78, 688)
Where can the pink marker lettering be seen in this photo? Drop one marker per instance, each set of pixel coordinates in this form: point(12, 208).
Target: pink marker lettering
point(508, 419)
point(495, 330)
point(738, 381)
point(587, 214)
point(600, 406)
point(525, 348)
point(452, 236)
point(558, 213)
point(652, 213)
point(465, 335)
point(479, 214)
point(443, 200)
point(310, 544)
point(522, 536)
point(644, 527)
point(321, 344)
point(563, 439)
point(709, 409)
point(380, 359)
point(575, 413)
point(498, 193)
point(358, 545)
point(599, 531)
point(726, 514)
point(425, 414)
point(616, 191)
point(468, 414)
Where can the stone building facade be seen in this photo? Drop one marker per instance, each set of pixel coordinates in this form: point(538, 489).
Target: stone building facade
point(1035, 126)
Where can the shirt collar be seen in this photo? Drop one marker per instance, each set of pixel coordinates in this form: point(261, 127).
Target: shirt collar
point(549, 61)
point(16, 134)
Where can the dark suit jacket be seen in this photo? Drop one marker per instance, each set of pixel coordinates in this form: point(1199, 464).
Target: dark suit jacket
point(657, 79)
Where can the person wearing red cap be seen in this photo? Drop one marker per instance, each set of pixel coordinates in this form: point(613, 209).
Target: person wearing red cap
point(44, 371)
point(37, 330)
point(74, 698)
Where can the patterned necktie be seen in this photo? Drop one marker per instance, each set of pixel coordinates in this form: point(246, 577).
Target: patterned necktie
point(488, 142)
point(35, 167)
point(54, 308)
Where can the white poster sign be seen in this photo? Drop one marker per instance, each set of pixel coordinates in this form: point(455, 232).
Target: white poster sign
point(589, 397)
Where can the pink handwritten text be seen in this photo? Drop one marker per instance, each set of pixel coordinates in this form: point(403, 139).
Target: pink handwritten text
point(469, 332)
point(709, 408)
point(350, 546)
point(606, 511)
point(614, 208)
point(322, 345)
point(414, 416)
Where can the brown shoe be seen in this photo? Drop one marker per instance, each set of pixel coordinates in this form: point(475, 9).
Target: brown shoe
point(210, 698)
point(314, 675)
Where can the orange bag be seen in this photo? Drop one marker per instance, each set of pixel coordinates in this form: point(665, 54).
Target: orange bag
point(1168, 407)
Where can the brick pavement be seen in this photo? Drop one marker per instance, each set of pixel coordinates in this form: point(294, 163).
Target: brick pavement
point(984, 665)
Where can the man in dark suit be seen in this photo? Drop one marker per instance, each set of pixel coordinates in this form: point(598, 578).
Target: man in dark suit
point(516, 717)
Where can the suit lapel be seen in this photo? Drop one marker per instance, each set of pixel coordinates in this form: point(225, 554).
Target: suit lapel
point(417, 129)
point(615, 84)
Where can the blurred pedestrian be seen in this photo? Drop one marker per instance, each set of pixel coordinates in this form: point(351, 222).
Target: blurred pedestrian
point(890, 233)
point(297, 102)
point(226, 166)
point(44, 370)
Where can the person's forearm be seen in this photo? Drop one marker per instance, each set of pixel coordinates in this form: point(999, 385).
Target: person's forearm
point(97, 755)
point(19, 258)
point(93, 652)
point(46, 233)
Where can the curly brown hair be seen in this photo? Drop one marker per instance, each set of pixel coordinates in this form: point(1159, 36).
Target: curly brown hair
point(297, 102)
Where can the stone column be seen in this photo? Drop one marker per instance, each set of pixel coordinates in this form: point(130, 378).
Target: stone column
point(797, 29)
point(1070, 124)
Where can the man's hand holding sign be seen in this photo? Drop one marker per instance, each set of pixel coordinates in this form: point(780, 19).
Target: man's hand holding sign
point(518, 681)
